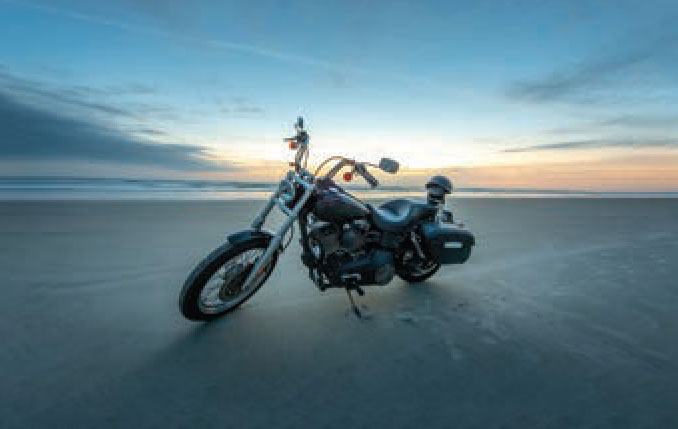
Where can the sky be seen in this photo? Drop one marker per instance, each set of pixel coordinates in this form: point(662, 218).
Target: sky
point(513, 94)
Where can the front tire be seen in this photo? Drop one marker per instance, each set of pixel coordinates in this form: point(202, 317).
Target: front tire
point(214, 286)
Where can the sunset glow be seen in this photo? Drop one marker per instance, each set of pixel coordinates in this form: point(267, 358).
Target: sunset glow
point(184, 92)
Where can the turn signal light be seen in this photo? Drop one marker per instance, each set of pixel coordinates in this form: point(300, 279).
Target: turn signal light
point(348, 176)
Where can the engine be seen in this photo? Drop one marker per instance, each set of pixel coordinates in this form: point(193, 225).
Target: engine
point(347, 255)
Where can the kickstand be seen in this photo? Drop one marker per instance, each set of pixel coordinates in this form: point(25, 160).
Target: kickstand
point(354, 307)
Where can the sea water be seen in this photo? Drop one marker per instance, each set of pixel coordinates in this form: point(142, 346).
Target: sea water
point(84, 188)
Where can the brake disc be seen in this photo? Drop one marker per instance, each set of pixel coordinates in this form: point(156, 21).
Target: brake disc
point(233, 277)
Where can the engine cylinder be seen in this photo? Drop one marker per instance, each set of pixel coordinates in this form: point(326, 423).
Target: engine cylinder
point(351, 238)
point(377, 267)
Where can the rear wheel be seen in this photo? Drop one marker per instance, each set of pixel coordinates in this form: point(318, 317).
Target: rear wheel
point(215, 287)
point(416, 272)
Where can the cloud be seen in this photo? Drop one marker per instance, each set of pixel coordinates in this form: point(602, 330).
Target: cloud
point(121, 89)
point(33, 133)
point(637, 172)
point(173, 14)
point(151, 132)
point(248, 110)
point(642, 121)
point(605, 73)
point(79, 97)
point(599, 144)
point(67, 96)
point(637, 122)
point(154, 8)
point(87, 99)
point(102, 101)
point(240, 107)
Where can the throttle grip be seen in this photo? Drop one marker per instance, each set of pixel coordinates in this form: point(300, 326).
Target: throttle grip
point(369, 178)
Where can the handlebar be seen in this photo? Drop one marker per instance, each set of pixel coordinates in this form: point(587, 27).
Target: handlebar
point(300, 143)
point(359, 168)
point(369, 178)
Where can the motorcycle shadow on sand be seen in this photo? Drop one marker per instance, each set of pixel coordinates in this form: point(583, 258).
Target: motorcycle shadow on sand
point(311, 350)
point(315, 321)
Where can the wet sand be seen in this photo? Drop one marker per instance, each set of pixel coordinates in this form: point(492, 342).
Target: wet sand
point(565, 316)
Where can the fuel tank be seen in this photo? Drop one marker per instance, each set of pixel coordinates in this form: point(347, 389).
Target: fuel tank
point(334, 204)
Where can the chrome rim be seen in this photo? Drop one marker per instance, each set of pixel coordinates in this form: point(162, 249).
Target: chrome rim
point(224, 289)
point(423, 268)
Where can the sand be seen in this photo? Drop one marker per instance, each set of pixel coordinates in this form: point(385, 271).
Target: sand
point(565, 316)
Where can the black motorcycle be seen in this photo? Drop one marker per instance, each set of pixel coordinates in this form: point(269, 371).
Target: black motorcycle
point(345, 242)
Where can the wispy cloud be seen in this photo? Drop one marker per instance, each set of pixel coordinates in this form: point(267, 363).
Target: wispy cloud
point(240, 107)
point(635, 122)
point(631, 76)
point(151, 132)
point(337, 70)
point(105, 102)
point(248, 109)
point(28, 132)
point(634, 172)
point(657, 121)
point(599, 144)
point(585, 82)
point(112, 90)
point(214, 43)
point(77, 97)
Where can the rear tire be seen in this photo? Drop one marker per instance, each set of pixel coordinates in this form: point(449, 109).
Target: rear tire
point(190, 300)
point(416, 276)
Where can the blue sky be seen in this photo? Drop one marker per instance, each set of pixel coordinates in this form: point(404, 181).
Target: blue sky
point(513, 93)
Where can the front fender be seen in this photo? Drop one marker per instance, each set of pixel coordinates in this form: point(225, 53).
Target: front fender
point(250, 235)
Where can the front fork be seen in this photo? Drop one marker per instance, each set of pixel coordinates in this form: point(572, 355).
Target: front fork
point(292, 215)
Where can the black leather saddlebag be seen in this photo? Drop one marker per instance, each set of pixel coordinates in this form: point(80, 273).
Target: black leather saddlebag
point(447, 243)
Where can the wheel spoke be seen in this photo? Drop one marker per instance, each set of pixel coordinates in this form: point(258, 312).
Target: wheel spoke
point(224, 289)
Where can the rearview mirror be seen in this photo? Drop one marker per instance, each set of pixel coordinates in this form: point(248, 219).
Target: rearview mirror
point(389, 165)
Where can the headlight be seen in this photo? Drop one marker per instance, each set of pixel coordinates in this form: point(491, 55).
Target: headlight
point(286, 190)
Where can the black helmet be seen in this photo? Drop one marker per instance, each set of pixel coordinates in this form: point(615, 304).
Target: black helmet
point(441, 182)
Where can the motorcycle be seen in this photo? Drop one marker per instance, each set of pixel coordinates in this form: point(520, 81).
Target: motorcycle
point(345, 242)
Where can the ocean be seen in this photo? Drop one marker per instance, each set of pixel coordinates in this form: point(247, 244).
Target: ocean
point(85, 188)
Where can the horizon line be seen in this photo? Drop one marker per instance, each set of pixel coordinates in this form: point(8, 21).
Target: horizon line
point(348, 186)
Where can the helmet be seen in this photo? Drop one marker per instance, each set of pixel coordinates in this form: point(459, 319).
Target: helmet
point(441, 182)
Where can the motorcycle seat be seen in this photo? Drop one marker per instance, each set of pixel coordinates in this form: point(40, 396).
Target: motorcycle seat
point(398, 215)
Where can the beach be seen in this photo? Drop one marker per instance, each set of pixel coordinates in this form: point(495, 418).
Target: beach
point(564, 316)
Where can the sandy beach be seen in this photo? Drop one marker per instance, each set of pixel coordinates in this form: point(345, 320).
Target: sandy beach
point(564, 317)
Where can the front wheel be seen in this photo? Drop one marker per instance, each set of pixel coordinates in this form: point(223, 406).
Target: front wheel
point(214, 287)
